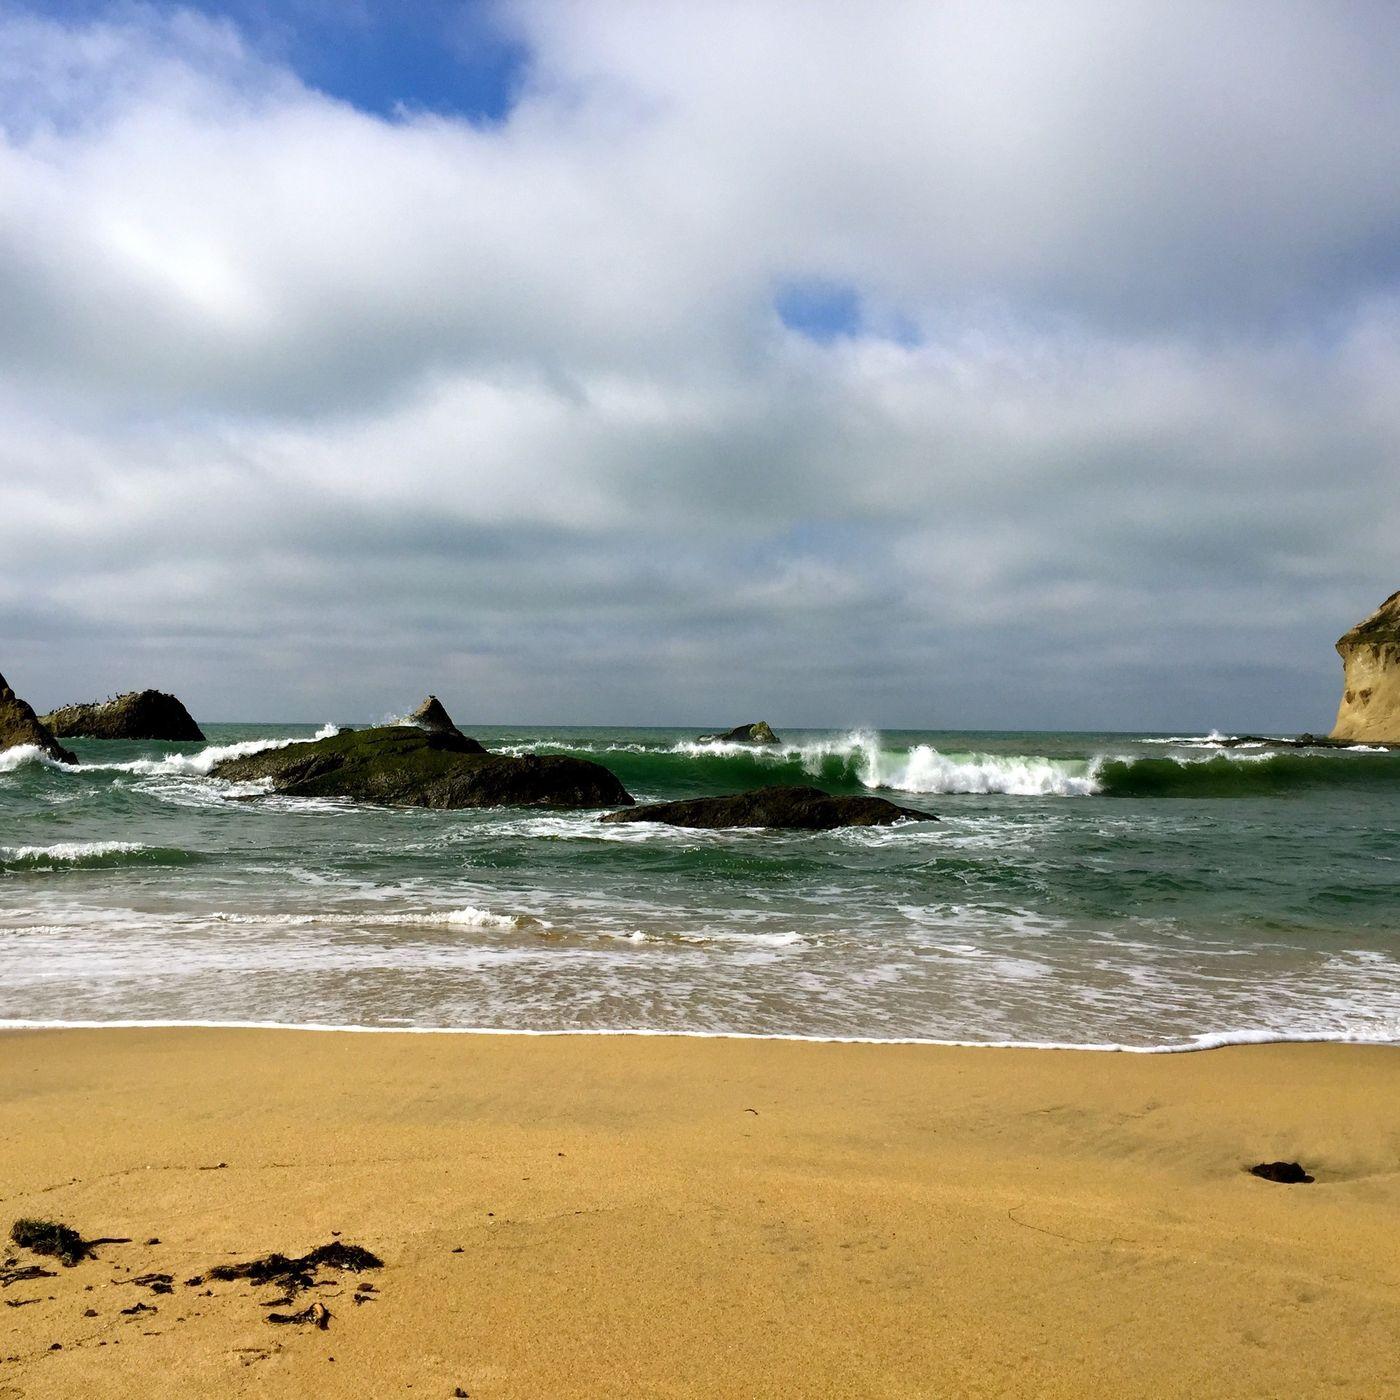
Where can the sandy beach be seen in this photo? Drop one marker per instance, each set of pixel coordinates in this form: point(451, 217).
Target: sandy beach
point(661, 1216)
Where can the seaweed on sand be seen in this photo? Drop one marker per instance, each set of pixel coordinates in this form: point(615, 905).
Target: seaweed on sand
point(314, 1314)
point(292, 1275)
point(49, 1237)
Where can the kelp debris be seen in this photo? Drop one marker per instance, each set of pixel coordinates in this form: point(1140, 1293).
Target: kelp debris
point(313, 1315)
point(50, 1237)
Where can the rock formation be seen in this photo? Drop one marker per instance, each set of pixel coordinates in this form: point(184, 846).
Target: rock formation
point(432, 715)
point(786, 808)
point(404, 766)
point(1370, 652)
point(139, 714)
point(19, 726)
point(758, 733)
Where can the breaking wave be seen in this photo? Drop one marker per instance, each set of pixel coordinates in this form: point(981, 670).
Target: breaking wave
point(23, 755)
point(853, 762)
point(89, 855)
point(861, 761)
point(201, 764)
point(1255, 774)
point(188, 765)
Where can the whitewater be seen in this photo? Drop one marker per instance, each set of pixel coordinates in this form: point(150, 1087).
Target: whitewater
point(1130, 891)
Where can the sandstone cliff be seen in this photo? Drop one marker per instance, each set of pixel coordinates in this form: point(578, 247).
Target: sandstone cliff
point(1370, 652)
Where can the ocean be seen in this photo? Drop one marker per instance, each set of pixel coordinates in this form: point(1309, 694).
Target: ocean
point(1102, 890)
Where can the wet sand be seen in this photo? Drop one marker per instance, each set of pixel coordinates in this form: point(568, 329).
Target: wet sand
point(585, 1216)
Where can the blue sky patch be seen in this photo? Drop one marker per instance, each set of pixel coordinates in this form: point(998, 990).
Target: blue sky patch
point(822, 311)
point(385, 58)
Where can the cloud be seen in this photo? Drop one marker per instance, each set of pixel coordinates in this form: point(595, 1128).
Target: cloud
point(305, 409)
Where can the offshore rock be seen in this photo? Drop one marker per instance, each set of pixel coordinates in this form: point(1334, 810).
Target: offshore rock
point(1303, 741)
point(20, 726)
point(139, 714)
point(1370, 652)
point(432, 715)
point(404, 766)
point(758, 733)
point(782, 808)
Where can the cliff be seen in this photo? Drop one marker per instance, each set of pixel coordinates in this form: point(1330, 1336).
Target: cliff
point(1370, 652)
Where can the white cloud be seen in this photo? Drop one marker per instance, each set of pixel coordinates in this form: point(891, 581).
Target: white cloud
point(306, 407)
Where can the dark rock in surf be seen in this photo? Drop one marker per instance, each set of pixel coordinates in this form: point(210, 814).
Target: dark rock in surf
point(432, 715)
point(1303, 741)
point(20, 727)
point(1287, 1173)
point(139, 714)
point(404, 766)
point(758, 733)
point(781, 808)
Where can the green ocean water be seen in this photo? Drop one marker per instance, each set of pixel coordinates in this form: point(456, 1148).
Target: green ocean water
point(1083, 889)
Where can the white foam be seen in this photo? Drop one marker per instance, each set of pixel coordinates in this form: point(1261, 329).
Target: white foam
point(22, 754)
point(921, 769)
point(1207, 1040)
point(69, 850)
point(467, 917)
point(926, 770)
point(201, 764)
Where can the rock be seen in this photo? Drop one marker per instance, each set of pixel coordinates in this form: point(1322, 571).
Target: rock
point(404, 766)
point(785, 808)
point(1303, 741)
point(1288, 1173)
point(21, 727)
point(139, 714)
point(1370, 652)
point(432, 716)
point(758, 733)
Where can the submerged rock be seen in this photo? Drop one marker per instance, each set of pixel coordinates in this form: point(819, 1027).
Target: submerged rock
point(139, 714)
point(785, 808)
point(404, 766)
point(1370, 652)
point(758, 733)
point(21, 727)
point(432, 715)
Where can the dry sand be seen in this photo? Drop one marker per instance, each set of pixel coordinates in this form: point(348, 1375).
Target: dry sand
point(608, 1216)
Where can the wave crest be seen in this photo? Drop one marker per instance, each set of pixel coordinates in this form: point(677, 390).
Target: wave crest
point(90, 855)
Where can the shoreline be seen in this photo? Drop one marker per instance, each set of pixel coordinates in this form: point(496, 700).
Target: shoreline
point(683, 1215)
point(1206, 1040)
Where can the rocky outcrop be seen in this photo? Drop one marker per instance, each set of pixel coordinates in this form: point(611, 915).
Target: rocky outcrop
point(758, 733)
point(403, 766)
point(139, 714)
point(1370, 652)
point(1303, 741)
point(21, 727)
point(432, 715)
point(783, 808)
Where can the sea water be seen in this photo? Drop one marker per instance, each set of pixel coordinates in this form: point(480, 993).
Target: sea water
point(1141, 891)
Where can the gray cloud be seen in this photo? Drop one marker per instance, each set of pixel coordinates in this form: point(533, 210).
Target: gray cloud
point(303, 412)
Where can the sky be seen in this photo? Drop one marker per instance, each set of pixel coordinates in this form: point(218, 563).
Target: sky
point(984, 365)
